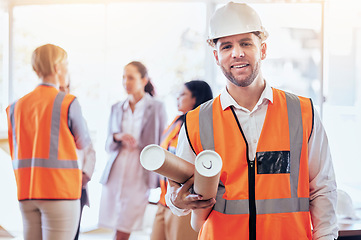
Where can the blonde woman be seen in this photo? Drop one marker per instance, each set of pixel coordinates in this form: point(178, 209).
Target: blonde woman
point(45, 128)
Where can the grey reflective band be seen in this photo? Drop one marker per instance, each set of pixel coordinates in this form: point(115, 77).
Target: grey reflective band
point(264, 206)
point(229, 206)
point(296, 139)
point(282, 205)
point(206, 125)
point(46, 163)
point(165, 135)
point(52, 161)
point(55, 127)
point(12, 120)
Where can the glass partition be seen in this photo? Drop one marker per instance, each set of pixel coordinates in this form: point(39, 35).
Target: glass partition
point(342, 109)
point(293, 61)
point(100, 39)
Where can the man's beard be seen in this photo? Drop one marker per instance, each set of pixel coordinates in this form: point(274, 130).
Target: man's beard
point(245, 82)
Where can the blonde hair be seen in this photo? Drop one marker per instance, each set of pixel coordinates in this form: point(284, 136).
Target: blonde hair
point(45, 58)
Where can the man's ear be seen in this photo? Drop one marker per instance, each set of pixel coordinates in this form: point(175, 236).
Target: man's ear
point(215, 53)
point(263, 51)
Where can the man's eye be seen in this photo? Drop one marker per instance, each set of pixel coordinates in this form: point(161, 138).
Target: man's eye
point(226, 47)
point(246, 44)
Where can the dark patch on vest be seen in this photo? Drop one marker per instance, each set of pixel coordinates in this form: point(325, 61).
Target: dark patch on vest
point(273, 162)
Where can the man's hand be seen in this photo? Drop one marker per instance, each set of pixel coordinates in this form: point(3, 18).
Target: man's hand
point(183, 199)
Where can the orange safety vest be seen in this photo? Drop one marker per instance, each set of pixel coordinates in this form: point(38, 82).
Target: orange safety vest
point(267, 198)
point(169, 142)
point(42, 147)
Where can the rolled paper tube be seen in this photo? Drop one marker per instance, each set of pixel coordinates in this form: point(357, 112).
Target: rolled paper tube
point(155, 158)
point(208, 165)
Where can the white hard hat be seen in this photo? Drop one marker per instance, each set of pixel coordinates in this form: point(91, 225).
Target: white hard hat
point(235, 18)
point(345, 208)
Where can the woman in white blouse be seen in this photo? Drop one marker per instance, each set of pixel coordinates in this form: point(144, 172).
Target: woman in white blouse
point(133, 124)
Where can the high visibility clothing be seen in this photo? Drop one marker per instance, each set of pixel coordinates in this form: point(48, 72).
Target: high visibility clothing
point(169, 142)
point(42, 146)
point(266, 197)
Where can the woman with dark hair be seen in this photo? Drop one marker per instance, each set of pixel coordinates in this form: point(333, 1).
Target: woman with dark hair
point(134, 123)
point(167, 226)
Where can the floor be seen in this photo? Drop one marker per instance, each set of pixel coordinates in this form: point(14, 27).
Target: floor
point(10, 216)
point(100, 234)
point(88, 232)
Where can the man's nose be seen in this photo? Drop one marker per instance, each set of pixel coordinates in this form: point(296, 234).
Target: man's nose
point(237, 52)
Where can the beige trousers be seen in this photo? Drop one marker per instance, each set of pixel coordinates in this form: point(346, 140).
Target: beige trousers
point(167, 226)
point(50, 219)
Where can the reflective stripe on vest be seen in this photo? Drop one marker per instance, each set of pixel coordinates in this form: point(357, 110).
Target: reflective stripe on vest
point(169, 141)
point(264, 206)
point(53, 161)
point(12, 120)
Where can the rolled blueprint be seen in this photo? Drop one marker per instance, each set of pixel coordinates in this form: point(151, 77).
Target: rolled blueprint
point(208, 165)
point(155, 158)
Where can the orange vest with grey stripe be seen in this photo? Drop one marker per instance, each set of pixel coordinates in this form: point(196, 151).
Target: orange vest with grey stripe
point(169, 142)
point(42, 147)
point(263, 199)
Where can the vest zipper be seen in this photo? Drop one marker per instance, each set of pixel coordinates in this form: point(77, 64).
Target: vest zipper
point(252, 200)
point(251, 187)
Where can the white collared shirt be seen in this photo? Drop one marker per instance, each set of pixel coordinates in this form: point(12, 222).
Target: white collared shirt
point(132, 121)
point(323, 197)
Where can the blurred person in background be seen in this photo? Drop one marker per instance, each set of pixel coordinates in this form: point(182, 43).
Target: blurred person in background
point(134, 123)
point(168, 226)
point(46, 127)
point(86, 161)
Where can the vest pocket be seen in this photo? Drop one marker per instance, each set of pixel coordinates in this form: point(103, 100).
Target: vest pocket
point(273, 162)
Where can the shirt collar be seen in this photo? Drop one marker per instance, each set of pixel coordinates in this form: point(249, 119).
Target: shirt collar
point(138, 104)
point(227, 100)
point(47, 84)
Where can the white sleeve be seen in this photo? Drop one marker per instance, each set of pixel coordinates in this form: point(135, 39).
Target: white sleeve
point(323, 195)
point(89, 158)
point(184, 151)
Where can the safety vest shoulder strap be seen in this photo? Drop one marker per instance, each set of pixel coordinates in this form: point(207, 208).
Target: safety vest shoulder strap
point(200, 120)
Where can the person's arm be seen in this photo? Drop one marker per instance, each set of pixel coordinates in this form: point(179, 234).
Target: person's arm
point(323, 195)
point(178, 197)
point(88, 163)
point(111, 143)
point(77, 125)
point(79, 129)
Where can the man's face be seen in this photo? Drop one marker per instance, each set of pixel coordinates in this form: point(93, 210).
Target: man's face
point(239, 57)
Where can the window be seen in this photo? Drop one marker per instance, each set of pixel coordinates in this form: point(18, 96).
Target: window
point(342, 109)
point(293, 47)
point(169, 38)
point(100, 40)
point(3, 72)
